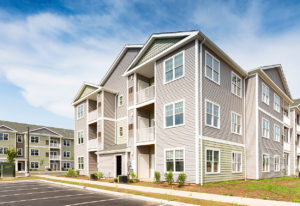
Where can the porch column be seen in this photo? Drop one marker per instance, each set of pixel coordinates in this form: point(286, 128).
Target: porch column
point(16, 165)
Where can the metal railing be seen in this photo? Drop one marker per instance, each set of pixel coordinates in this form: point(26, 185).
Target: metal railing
point(92, 115)
point(55, 145)
point(146, 94)
point(55, 157)
point(145, 134)
point(93, 144)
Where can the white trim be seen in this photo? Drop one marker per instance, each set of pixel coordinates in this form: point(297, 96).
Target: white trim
point(257, 124)
point(119, 100)
point(77, 107)
point(35, 142)
point(212, 139)
point(219, 120)
point(241, 124)
point(278, 163)
point(81, 163)
point(18, 137)
point(21, 152)
point(173, 67)
point(244, 128)
point(262, 169)
point(106, 118)
point(276, 125)
point(10, 129)
point(174, 159)
point(35, 162)
point(212, 166)
point(213, 58)
point(270, 115)
point(112, 151)
point(237, 152)
point(201, 111)
point(34, 152)
point(173, 104)
point(197, 109)
point(46, 128)
point(262, 128)
point(279, 106)
point(3, 136)
point(262, 93)
point(242, 86)
point(155, 129)
point(115, 164)
point(79, 131)
point(67, 152)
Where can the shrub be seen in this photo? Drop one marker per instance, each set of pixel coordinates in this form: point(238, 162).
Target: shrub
point(77, 172)
point(71, 173)
point(11, 154)
point(169, 177)
point(115, 179)
point(181, 179)
point(130, 181)
point(157, 176)
point(132, 175)
point(99, 175)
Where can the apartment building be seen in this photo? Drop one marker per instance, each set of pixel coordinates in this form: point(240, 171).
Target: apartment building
point(179, 103)
point(49, 147)
point(295, 135)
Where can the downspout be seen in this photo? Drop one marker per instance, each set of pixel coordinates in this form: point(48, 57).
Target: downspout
point(244, 116)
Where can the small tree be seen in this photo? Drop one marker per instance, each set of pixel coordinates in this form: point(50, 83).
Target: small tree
point(181, 179)
point(132, 175)
point(157, 176)
point(99, 175)
point(11, 155)
point(169, 177)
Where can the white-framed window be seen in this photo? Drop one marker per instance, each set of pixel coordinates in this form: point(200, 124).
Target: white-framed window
point(80, 163)
point(236, 123)
point(34, 165)
point(265, 128)
point(67, 165)
point(212, 161)
point(212, 68)
point(265, 93)
point(4, 137)
point(67, 154)
point(236, 84)
point(276, 163)
point(121, 100)
point(34, 152)
point(265, 163)
point(236, 162)
point(80, 136)
point(276, 103)
point(174, 160)
point(121, 131)
point(276, 133)
point(174, 114)
point(66, 143)
point(3, 150)
point(80, 111)
point(19, 139)
point(53, 154)
point(174, 67)
point(212, 114)
point(34, 139)
point(20, 152)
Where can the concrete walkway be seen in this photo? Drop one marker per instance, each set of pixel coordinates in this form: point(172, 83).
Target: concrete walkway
point(197, 195)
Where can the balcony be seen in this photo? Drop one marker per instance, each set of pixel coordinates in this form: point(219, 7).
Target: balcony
point(92, 116)
point(298, 150)
point(146, 94)
point(55, 145)
point(145, 135)
point(286, 120)
point(286, 146)
point(54, 157)
point(93, 144)
point(298, 128)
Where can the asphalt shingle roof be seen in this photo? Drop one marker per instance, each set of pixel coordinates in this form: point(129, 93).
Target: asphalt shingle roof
point(296, 102)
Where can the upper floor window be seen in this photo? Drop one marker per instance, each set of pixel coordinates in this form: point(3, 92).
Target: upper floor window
point(174, 114)
point(212, 68)
point(19, 139)
point(121, 131)
point(4, 137)
point(34, 139)
point(236, 84)
point(298, 119)
point(212, 161)
point(276, 103)
point(20, 152)
point(277, 133)
point(80, 137)
point(265, 128)
point(265, 94)
point(236, 123)
point(212, 114)
point(67, 154)
point(35, 152)
point(174, 67)
point(3, 150)
point(121, 100)
point(67, 143)
point(266, 163)
point(80, 111)
point(236, 162)
point(175, 160)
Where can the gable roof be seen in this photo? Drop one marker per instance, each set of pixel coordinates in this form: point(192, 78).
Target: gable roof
point(44, 130)
point(296, 103)
point(85, 89)
point(21, 128)
point(6, 128)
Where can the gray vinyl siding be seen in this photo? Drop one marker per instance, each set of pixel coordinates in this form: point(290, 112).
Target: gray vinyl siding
point(293, 140)
point(109, 133)
point(275, 76)
point(269, 146)
point(107, 164)
point(181, 136)
point(251, 127)
point(109, 105)
point(221, 95)
point(123, 139)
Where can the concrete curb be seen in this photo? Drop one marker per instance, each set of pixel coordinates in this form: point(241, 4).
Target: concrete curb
point(125, 195)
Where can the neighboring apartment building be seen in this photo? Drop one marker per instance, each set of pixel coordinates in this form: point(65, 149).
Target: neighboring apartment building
point(178, 103)
point(49, 147)
point(295, 135)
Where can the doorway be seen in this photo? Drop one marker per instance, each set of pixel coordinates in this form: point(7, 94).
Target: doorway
point(286, 163)
point(118, 165)
point(143, 166)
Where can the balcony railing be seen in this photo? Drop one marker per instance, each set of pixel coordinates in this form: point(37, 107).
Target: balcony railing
point(298, 149)
point(286, 146)
point(286, 120)
point(93, 144)
point(54, 145)
point(145, 134)
point(298, 128)
point(54, 157)
point(92, 116)
point(146, 94)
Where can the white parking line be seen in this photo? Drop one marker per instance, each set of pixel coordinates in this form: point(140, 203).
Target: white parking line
point(31, 193)
point(35, 188)
point(19, 186)
point(84, 203)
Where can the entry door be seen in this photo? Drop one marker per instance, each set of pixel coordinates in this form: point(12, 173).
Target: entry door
point(19, 166)
point(144, 166)
point(286, 163)
point(119, 165)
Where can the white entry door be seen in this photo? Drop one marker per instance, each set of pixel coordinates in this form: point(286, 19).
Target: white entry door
point(144, 166)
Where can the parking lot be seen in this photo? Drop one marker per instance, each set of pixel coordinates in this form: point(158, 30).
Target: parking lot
point(48, 194)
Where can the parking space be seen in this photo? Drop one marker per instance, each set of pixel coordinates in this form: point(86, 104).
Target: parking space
point(47, 194)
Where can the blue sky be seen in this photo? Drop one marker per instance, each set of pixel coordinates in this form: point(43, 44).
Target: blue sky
point(48, 48)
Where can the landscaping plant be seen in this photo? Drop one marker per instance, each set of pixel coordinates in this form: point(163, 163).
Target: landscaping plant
point(157, 176)
point(130, 181)
point(71, 173)
point(77, 172)
point(115, 179)
point(169, 177)
point(181, 179)
point(11, 155)
point(99, 175)
point(132, 175)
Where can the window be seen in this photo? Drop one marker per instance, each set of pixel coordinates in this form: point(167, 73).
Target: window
point(67, 154)
point(236, 84)
point(19, 139)
point(236, 122)
point(80, 163)
point(121, 131)
point(3, 150)
point(175, 160)
point(3, 137)
point(53, 154)
point(265, 128)
point(276, 133)
point(80, 111)
point(121, 101)
point(212, 114)
point(276, 103)
point(80, 137)
point(174, 114)
point(34, 152)
point(265, 94)
point(212, 68)
point(236, 162)
point(20, 152)
point(34, 139)
point(212, 161)
point(266, 163)
point(34, 165)
point(67, 143)
point(67, 165)
point(276, 163)
point(174, 67)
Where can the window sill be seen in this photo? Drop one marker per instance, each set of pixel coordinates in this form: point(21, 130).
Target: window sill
point(212, 126)
point(236, 95)
point(237, 172)
point(179, 125)
point(212, 173)
point(173, 80)
point(217, 83)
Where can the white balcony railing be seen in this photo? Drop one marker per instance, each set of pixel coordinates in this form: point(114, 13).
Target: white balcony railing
point(93, 144)
point(146, 94)
point(145, 134)
point(92, 116)
point(286, 120)
point(54, 157)
point(54, 145)
point(286, 146)
point(298, 149)
point(298, 128)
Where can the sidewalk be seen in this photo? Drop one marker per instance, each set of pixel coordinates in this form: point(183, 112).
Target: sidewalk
point(197, 195)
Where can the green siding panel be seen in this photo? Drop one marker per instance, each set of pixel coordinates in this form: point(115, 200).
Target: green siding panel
point(226, 161)
point(87, 90)
point(10, 143)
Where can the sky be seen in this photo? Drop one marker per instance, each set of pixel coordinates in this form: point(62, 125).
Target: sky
point(49, 48)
